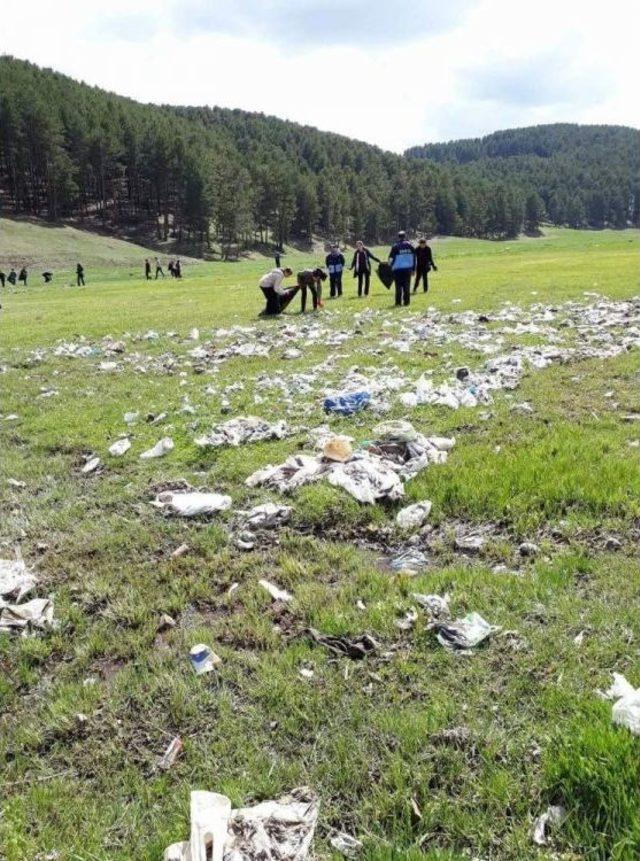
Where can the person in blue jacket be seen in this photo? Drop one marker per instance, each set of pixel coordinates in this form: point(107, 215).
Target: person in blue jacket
point(335, 264)
point(402, 259)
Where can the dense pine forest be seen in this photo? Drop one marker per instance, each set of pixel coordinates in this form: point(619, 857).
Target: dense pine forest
point(68, 150)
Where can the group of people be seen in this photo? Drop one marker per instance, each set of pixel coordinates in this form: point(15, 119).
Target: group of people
point(405, 262)
point(174, 267)
point(13, 278)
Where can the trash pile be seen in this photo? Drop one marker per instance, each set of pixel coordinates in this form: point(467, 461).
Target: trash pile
point(626, 708)
point(279, 830)
point(16, 581)
point(191, 503)
point(244, 429)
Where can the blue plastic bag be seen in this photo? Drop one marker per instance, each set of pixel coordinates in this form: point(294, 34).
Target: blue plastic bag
point(347, 405)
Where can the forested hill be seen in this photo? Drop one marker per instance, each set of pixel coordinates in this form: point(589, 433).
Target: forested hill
point(585, 175)
point(68, 150)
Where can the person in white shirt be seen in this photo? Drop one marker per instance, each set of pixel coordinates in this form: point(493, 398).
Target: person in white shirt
point(275, 293)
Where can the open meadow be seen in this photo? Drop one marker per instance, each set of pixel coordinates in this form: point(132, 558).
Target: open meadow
point(525, 352)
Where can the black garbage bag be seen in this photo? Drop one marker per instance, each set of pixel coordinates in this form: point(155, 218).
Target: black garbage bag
point(385, 274)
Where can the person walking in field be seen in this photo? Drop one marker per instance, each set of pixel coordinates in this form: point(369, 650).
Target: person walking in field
point(170, 267)
point(311, 279)
point(80, 275)
point(147, 269)
point(402, 259)
point(361, 265)
point(12, 277)
point(23, 276)
point(424, 264)
point(335, 264)
point(277, 296)
point(177, 269)
point(158, 269)
point(3, 278)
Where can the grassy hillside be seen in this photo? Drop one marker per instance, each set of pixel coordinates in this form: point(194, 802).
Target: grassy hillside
point(419, 752)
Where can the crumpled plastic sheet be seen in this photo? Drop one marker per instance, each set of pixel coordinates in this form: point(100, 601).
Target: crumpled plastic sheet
point(244, 429)
point(413, 516)
point(267, 515)
point(553, 815)
point(162, 447)
point(191, 503)
point(412, 560)
point(279, 830)
point(466, 633)
point(626, 710)
point(357, 647)
point(348, 403)
point(16, 581)
point(437, 606)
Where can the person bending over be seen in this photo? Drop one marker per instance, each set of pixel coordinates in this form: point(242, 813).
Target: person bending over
point(277, 296)
point(402, 258)
point(311, 279)
point(361, 265)
point(335, 264)
point(424, 264)
point(48, 277)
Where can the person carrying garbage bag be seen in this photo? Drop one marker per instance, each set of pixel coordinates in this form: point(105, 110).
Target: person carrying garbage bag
point(277, 296)
point(311, 279)
point(335, 263)
point(402, 259)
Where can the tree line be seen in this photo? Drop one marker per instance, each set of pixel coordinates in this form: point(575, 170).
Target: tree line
point(68, 150)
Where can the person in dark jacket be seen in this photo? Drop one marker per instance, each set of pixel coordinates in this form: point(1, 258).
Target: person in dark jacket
point(159, 270)
point(402, 259)
point(48, 277)
point(12, 277)
point(80, 275)
point(424, 264)
point(3, 278)
point(311, 279)
point(147, 269)
point(23, 276)
point(177, 269)
point(361, 265)
point(335, 264)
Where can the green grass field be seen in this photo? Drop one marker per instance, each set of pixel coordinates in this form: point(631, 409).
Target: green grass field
point(421, 752)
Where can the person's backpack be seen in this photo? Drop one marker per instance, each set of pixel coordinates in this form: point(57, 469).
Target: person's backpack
point(385, 274)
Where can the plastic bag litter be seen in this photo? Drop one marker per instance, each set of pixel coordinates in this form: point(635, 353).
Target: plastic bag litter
point(411, 560)
point(553, 815)
point(436, 605)
point(191, 503)
point(37, 613)
point(16, 580)
point(273, 830)
point(367, 479)
point(385, 274)
point(120, 447)
point(244, 429)
point(347, 404)
point(164, 446)
point(345, 844)
point(91, 465)
point(626, 710)
point(357, 647)
point(276, 593)
point(466, 633)
point(267, 515)
point(338, 448)
point(409, 400)
point(131, 418)
point(395, 431)
point(413, 516)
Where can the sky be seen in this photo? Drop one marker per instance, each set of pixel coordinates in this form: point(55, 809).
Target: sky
point(395, 73)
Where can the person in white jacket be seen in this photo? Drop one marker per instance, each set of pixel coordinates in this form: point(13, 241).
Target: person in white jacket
point(275, 293)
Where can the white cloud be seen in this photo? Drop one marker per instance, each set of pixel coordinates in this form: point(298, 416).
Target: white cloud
point(346, 67)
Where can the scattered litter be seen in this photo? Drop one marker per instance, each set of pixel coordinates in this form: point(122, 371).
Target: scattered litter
point(345, 844)
point(553, 815)
point(292, 353)
point(243, 430)
point(91, 465)
point(470, 543)
point(528, 548)
point(37, 613)
point(410, 561)
point(409, 619)
point(276, 593)
point(413, 516)
point(131, 418)
point(338, 448)
point(464, 633)
point(436, 605)
point(267, 515)
point(626, 710)
point(579, 639)
point(347, 404)
point(306, 673)
point(180, 551)
point(203, 660)
point(16, 580)
point(166, 621)
point(353, 647)
point(164, 446)
point(171, 754)
point(273, 830)
point(191, 504)
point(13, 482)
point(120, 447)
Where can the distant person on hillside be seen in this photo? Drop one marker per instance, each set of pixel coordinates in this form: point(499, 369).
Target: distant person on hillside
point(3, 278)
point(424, 264)
point(402, 259)
point(12, 276)
point(311, 279)
point(158, 269)
point(171, 268)
point(177, 269)
point(23, 276)
point(335, 264)
point(80, 275)
point(361, 266)
point(277, 256)
point(48, 277)
point(147, 269)
point(277, 296)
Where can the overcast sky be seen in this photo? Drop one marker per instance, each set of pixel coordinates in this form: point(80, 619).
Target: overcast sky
point(391, 72)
